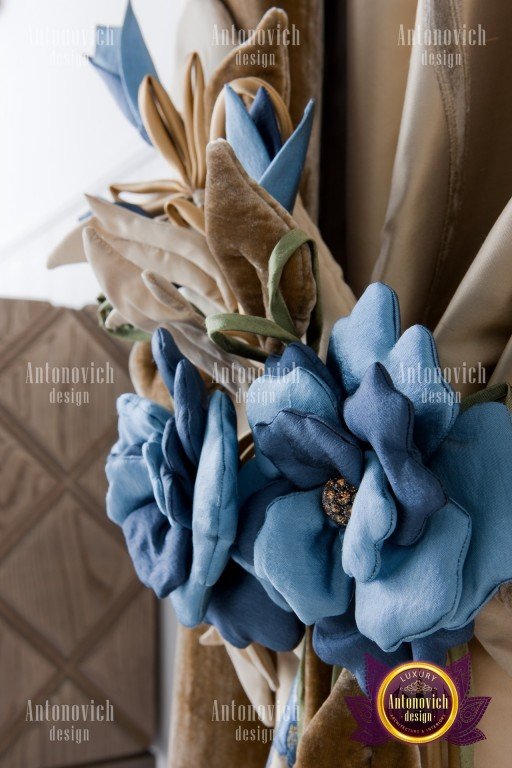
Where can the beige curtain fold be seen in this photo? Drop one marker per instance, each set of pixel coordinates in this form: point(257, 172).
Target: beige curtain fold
point(477, 324)
point(451, 176)
point(376, 77)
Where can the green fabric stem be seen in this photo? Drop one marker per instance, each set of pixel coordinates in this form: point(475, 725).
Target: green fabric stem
point(280, 325)
point(498, 393)
point(126, 331)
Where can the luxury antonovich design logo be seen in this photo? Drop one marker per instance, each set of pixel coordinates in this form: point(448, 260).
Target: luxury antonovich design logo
point(418, 702)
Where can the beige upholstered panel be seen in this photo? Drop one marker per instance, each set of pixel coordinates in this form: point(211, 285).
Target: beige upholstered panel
point(75, 624)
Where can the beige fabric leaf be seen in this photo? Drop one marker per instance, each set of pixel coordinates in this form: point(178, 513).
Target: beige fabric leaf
point(124, 285)
point(71, 249)
point(185, 242)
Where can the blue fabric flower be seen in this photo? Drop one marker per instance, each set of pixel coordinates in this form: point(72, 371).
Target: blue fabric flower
point(173, 487)
point(122, 59)
point(256, 139)
point(430, 531)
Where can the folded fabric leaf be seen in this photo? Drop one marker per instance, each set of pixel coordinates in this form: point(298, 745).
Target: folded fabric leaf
point(148, 302)
point(123, 61)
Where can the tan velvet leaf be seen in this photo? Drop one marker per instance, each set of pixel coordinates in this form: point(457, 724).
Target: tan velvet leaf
point(243, 224)
point(235, 65)
point(327, 742)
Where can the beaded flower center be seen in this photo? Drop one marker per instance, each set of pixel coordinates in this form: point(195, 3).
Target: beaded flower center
point(337, 500)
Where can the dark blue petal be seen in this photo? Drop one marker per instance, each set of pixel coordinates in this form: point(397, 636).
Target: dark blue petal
point(243, 613)
point(380, 415)
point(191, 407)
point(251, 517)
point(309, 451)
point(166, 356)
point(338, 641)
point(161, 554)
point(435, 647)
point(177, 476)
point(264, 117)
point(298, 355)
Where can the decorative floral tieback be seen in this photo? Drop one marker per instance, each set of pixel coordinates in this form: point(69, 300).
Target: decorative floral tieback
point(376, 508)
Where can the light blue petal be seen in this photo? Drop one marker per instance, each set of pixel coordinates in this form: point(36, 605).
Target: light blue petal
point(215, 510)
point(139, 420)
point(153, 456)
point(129, 487)
point(282, 177)
point(414, 366)
point(301, 390)
point(299, 551)
point(244, 137)
point(418, 588)
point(106, 56)
point(373, 520)
point(134, 64)
point(365, 336)
point(475, 465)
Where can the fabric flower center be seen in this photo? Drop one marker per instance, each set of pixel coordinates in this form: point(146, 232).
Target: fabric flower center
point(337, 500)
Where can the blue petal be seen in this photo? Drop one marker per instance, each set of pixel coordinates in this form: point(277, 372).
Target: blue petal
point(435, 647)
point(414, 366)
point(418, 588)
point(166, 356)
point(215, 510)
point(135, 63)
point(244, 137)
point(299, 551)
point(282, 177)
point(364, 337)
point(338, 641)
point(474, 463)
point(161, 555)
point(190, 406)
point(243, 613)
point(129, 486)
point(372, 522)
point(264, 118)
point(307, 450)
point(251, 516)
point(153, 456)
point(177, 478)
point(379, 414)
point(298, 355)
point(299, 390)
point(139, 420)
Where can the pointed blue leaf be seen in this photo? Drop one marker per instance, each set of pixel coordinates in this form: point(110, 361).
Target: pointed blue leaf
point(244, 137)
point(282, 177)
